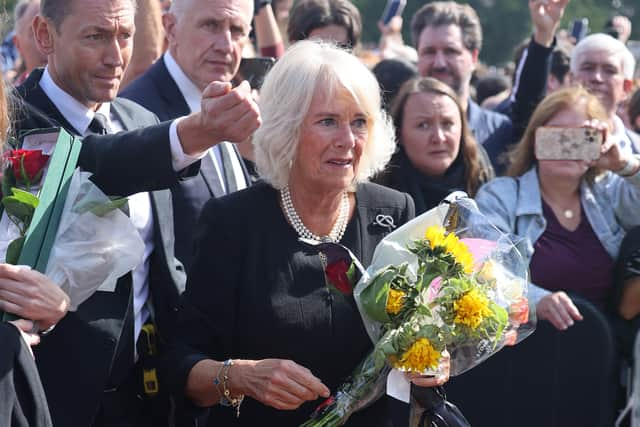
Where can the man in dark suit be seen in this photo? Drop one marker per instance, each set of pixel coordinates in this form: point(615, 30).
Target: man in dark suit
point(88, 362)
point(172, 87)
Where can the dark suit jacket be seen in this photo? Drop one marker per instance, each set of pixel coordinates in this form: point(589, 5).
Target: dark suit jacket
point(75, 360)
point(158, 92)
point(493, 130)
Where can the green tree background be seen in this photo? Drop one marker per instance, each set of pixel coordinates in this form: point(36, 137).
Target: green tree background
point(505, 22)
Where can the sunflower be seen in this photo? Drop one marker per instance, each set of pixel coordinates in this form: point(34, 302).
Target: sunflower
point(419, 357)
point(471, 309)
point(435, 236)
point(395, 301)
point(462, 255)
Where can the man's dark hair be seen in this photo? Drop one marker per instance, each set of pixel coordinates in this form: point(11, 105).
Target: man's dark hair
point(442, 13)
point(308, 15)
point(21, 9)
point(57, 10)
point(560, 63)
point(633, 109)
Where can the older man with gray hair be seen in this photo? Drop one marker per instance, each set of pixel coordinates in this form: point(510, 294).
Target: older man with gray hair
point(604, 66)
point(206, 39)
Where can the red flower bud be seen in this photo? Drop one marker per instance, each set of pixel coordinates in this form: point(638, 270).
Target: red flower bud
point(337, 276)
point(32, 160)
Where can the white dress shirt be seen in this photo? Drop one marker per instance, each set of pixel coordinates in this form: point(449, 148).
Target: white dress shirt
point(193, 96)
point(79, 116)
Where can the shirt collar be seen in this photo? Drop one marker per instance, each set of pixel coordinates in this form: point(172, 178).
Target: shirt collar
point(529, 198)
point(192, 95)
point(77, 114)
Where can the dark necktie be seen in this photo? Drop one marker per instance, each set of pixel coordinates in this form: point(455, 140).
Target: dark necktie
point(227, 169)
point(98, 125)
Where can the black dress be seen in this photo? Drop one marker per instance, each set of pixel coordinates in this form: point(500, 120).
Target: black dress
point(427, 192)
point(256, 292)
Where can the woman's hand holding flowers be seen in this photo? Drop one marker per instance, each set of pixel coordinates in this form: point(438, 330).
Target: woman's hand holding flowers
point(282, 384)
point(429, 380)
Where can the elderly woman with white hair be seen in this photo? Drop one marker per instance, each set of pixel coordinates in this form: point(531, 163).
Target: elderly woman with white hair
point(258, 320)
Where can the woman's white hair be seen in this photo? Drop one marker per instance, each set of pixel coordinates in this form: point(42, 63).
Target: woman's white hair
point(285, 98)
point(600, 42)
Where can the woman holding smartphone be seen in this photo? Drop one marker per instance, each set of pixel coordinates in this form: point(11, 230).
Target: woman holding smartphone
point(573, 214)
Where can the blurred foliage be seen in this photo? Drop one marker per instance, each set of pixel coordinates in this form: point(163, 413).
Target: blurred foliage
point(6, 15)
point(506, 23)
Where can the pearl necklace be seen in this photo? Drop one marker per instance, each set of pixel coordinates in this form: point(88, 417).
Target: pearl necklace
point(296, 222)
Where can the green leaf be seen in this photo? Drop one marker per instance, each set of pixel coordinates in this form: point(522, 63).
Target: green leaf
point(25, 197)
point(101, 208)
point(13, 250)
point(23, 212)
point(374, 297)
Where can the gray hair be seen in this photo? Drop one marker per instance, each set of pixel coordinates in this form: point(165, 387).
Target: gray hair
point(285, 99)
point(601, 41)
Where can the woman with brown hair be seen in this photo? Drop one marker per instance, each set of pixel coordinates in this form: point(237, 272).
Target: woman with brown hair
point(436, 152)
point(572, 214)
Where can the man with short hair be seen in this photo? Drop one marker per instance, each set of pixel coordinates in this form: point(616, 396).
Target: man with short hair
point(448, 38)
point(90, 365)
point(604, 66)
point(24, 40)
point(200, 51)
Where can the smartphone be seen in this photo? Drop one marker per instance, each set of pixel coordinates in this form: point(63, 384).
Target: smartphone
point(254, 69)
point(393, 8)
point(579, 28)
point(559, 143)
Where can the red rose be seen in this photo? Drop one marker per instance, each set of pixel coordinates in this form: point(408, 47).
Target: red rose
point(338, 277)
point(33, 162)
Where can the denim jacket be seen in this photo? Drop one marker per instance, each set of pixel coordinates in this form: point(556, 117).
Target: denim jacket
point(514, 205)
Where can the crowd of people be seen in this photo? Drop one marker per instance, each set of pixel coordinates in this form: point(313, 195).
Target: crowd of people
point(223, 180)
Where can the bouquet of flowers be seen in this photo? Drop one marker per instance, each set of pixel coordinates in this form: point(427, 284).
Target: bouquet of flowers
point(448, 280)
point(55, 220)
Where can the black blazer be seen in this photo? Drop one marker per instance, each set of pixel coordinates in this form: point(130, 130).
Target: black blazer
point(75, 360)
point(255, 291)
point(158, 92)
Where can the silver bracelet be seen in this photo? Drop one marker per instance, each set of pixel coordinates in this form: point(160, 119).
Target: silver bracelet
point(628, 168)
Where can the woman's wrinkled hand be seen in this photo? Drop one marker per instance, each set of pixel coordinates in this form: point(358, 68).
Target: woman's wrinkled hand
point(31, 295)
point(429, 380)
point(282, 384)
point(558, 309)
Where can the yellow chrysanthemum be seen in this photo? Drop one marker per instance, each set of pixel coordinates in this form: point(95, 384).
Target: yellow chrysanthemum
point(435, 236)
point(395, 301)
point(462, 254)
point(471, 309)
point(419, 357)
